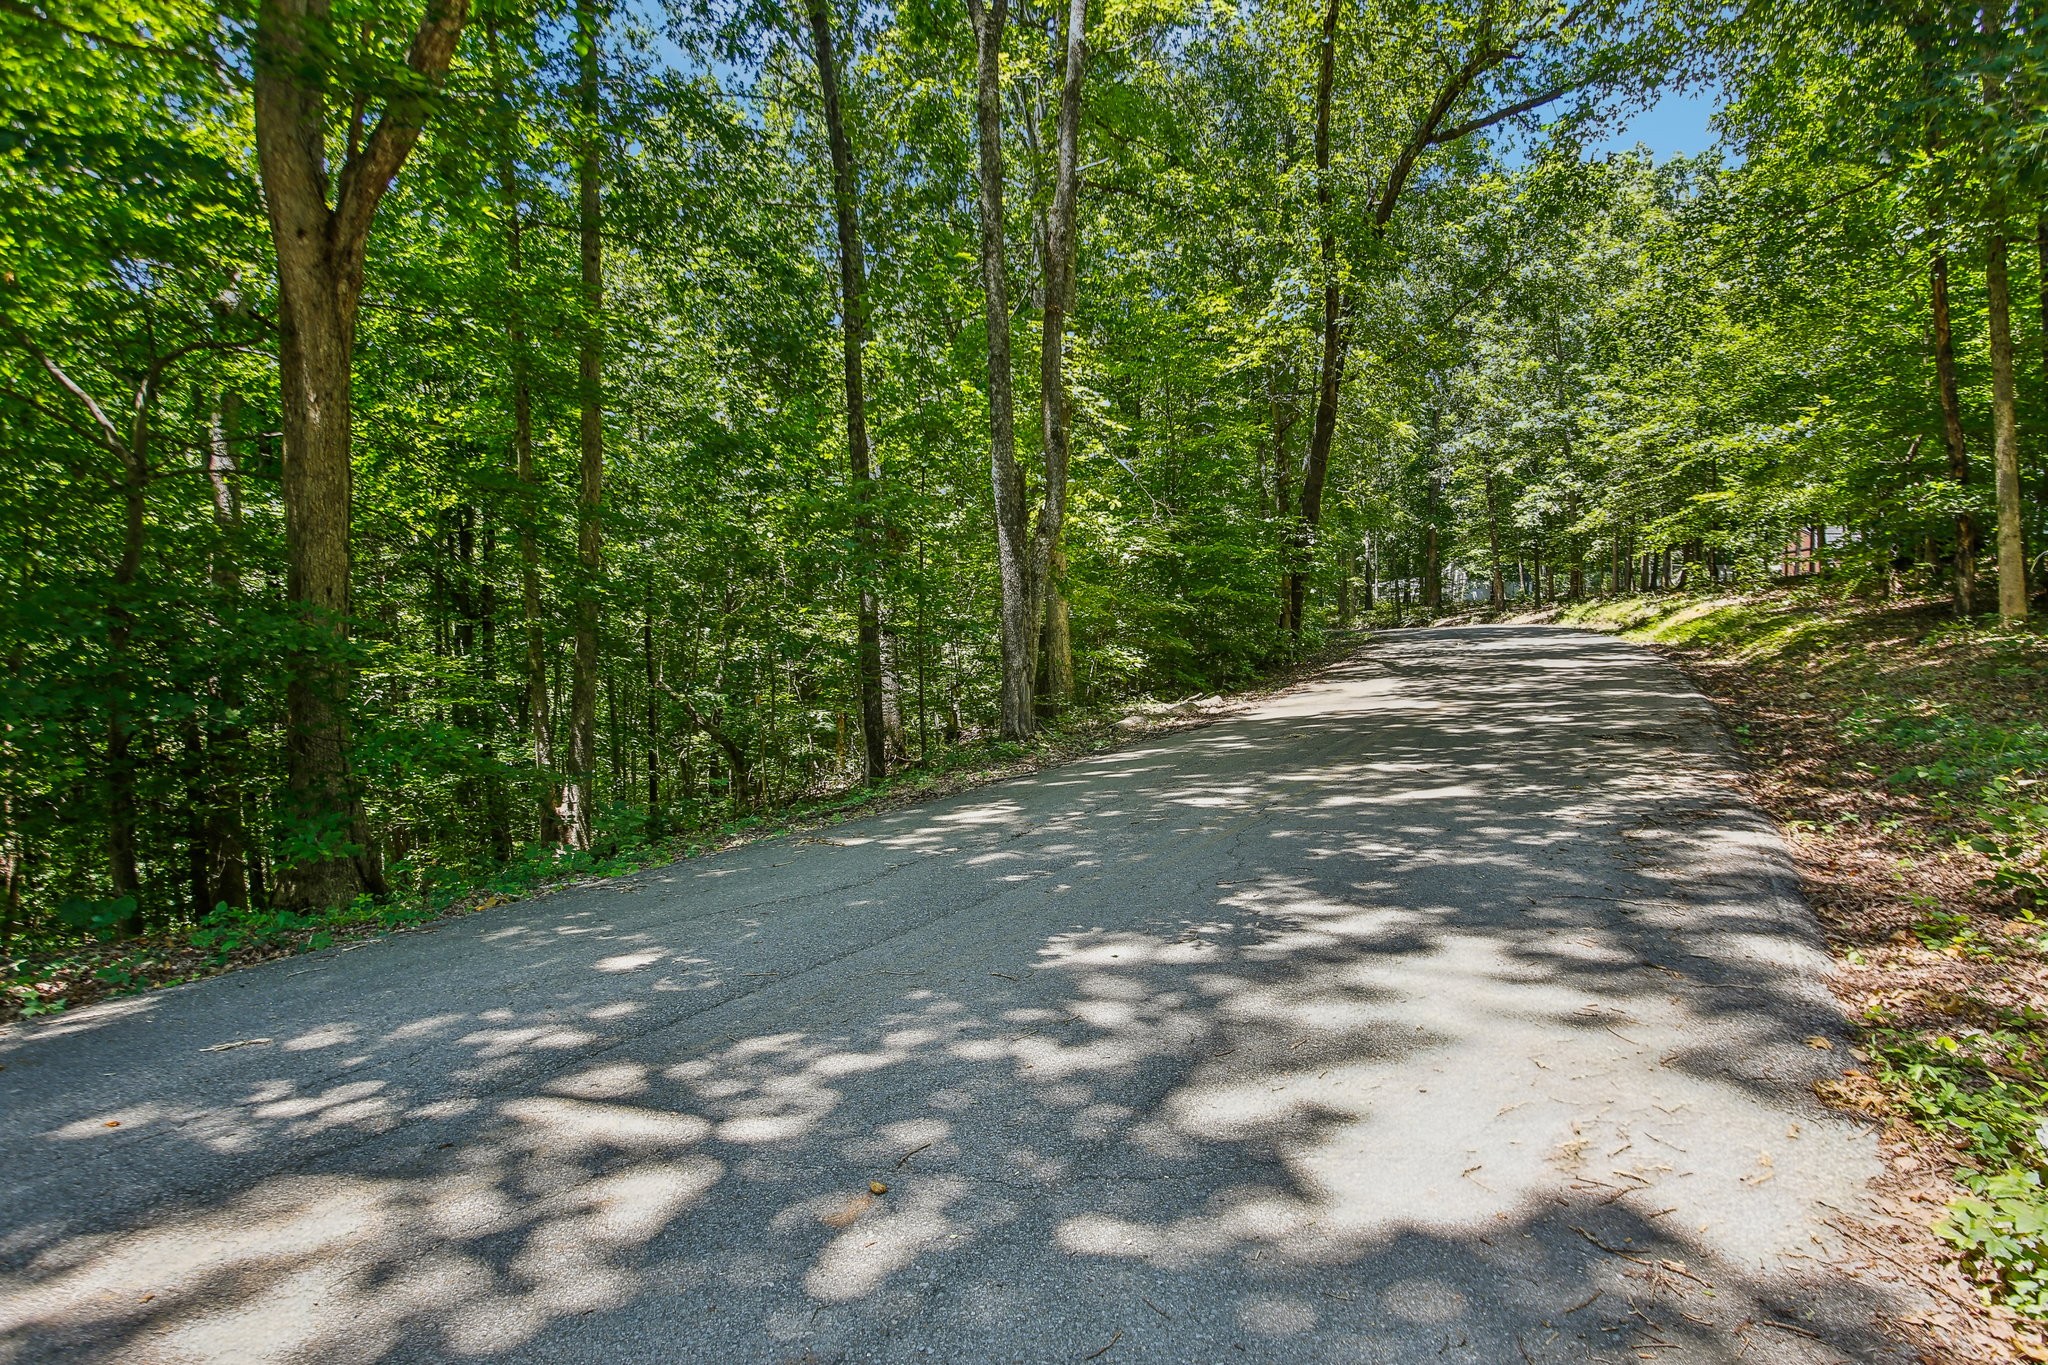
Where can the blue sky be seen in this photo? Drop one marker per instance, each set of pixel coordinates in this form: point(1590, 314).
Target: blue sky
point(1676, 125)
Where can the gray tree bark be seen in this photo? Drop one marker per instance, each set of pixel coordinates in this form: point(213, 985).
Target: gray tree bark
point(320, 250)
point(1055, 412)
point(2005, 439)
point(225, 848)
point(579, 793)
point(2005, 443)
point(1015, 619)
point(853, 335)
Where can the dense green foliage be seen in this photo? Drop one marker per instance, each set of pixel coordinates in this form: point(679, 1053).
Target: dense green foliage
point(1562, 377)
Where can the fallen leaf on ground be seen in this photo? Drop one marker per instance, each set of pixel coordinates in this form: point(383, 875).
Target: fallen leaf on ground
point(1854, 1090)
point(843, 1217)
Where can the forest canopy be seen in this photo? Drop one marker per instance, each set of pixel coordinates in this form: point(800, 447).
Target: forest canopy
point(445, 435)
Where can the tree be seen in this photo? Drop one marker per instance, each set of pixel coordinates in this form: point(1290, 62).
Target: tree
point(1330, 296)
point(853, 332)
point(1544, 54)
point(1055, 411)
point(1017, 622)
point(552, 828)
point(2005, 443)
point(320, 250)
point(579, 794)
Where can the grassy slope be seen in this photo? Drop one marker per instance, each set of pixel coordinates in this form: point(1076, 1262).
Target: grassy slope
point(1899, 748)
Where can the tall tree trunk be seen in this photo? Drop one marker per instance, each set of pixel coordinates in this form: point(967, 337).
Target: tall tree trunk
point(318, 337)
point(657, 821)
point(1964, 567)
point(1056, 648)
point(472, 605)
point(1055, 413)
point(1430, 132)
point(1498, 597)
point(121, 804)
point(1015, 618)
point(853, 336)
point(1283, 474)
point(2041, 283)
point(1323, 428)
point(1432, 569)
point(550, 828)
point(2005, 437)
point(12, 867)
point(497, 799)
point(221, 832)
point(894, 728)
point(609, 681)
point(1432, 552)
point(320, 253)
point(581, 789)
point(194, 772)
point(2005, 447)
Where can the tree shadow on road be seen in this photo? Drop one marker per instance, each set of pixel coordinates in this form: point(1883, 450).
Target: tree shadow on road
point(1454, 1007)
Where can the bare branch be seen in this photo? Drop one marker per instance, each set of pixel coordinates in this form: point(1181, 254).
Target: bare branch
point(1471, 126)
point(107, 433)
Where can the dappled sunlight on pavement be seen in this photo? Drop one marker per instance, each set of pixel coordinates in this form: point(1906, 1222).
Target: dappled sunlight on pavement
point(1452, 1006)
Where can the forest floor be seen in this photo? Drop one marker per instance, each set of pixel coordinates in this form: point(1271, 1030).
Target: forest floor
point(1904, 753)
point(48, 974)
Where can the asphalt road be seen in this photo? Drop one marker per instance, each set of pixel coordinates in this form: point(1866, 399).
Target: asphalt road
point(1451, 1007)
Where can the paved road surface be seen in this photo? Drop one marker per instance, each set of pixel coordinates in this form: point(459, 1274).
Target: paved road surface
point(1449, 1008)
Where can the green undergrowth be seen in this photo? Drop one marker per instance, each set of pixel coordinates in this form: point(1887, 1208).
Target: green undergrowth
point(1985, 1087)
point(48, 975)
point(91, 961)
point(1946, 719)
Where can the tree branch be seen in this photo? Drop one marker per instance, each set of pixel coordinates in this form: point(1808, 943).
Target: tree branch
point(1471, 126)
point(366, 177)
point(1483, 60)
point(85, 472)
point(715, 733)
point(109, 435)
